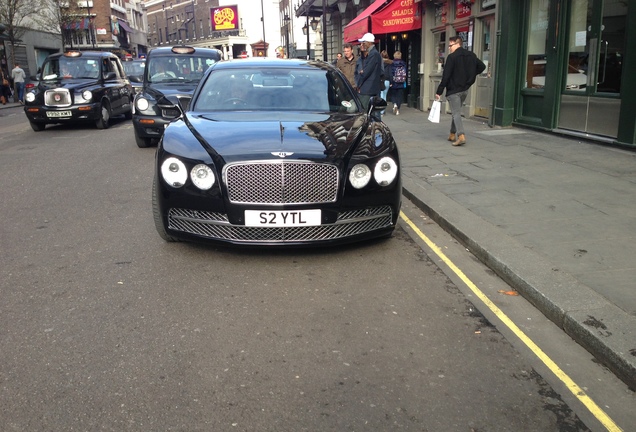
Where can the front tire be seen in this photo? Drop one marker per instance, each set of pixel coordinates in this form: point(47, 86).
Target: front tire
point(104, 116)
point(38, 127)
point(142, 142)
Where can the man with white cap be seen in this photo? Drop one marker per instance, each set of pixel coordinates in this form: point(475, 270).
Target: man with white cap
point(368, 70)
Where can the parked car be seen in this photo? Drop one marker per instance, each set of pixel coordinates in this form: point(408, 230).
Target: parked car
point(135, 72)
point(276, 152)
point(171, 74)
point(76, 87)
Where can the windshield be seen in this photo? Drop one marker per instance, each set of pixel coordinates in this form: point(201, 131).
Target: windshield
point(70, 67)
point(134, 68)
point(276, 89)
point(178, 68)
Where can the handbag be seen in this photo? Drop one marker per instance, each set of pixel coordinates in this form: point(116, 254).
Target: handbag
point(433, 115)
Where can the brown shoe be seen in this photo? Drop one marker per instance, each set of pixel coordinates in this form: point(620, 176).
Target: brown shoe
point(461, 139)
point(452, 137)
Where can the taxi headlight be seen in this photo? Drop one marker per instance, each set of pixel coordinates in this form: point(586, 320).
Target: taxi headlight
point(87, 95)
point(174, 172)
point(30, 97)
point(385, 171)
point(202, 176)
point(360, 176)
point(142, 104)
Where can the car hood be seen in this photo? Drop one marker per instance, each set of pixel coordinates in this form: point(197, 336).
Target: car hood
point(174, 89)
point(67, 83)
point(249, 136)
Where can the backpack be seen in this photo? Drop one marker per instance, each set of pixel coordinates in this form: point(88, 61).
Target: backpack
point(399, 74)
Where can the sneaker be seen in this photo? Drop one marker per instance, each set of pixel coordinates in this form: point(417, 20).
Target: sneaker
point(395, 110)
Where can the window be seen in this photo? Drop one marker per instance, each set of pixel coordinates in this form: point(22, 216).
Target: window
point(536, 44)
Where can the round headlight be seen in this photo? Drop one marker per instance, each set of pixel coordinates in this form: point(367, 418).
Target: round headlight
point(30, 97)
point(87, 95)
point(360, 176)
point(202, 176)
point(385, 171)
point(174, 172)
point(142, 104)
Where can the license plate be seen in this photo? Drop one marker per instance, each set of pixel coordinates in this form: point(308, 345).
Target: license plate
point(282, 218)
point(58, 114)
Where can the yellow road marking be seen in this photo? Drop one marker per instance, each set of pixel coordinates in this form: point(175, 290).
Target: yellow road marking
point(556, 370)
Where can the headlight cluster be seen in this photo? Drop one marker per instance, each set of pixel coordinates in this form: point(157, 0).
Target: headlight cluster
point(175, 173)
point(142, 103)
point(30, 97)
point(83, 97)
point(384, 173)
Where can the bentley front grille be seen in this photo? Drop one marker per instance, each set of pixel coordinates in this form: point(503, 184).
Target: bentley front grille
point(216, 226)
point(281, 182)
point(59, 97)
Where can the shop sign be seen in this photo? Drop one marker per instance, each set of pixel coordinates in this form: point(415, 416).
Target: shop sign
point(462, 8)
point(224, 18)
point(399, 16)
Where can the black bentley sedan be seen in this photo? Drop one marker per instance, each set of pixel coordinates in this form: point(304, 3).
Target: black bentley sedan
point(76, 87)
point(171, 73)
point(276, 152)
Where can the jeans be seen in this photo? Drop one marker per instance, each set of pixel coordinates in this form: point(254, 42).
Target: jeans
point(456, 101)
point(19, 87)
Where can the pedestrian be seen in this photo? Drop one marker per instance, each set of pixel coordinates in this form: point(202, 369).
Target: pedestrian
point(398, 81)
point(347, 64)
point(5, 88)
point(386, 62)
point(338, 57)
point(460, 71)
point(368, 70)
point(19, 77)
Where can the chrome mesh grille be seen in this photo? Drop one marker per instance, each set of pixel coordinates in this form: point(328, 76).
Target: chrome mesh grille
point(57, 97)
point(281, 182)
point(216, 226)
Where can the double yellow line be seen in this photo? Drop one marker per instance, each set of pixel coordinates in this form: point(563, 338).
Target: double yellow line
point(556, 370)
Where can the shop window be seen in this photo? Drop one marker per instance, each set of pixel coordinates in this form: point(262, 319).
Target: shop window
point(536, 43)
point(440, 50)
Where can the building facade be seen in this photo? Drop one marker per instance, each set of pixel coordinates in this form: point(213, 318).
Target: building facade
point(555, 65)
point(238, 28)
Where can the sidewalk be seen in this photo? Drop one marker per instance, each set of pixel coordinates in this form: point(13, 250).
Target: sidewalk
point(553, 216)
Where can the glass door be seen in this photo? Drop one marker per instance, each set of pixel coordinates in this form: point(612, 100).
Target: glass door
point(591, 85)
point(485, 50)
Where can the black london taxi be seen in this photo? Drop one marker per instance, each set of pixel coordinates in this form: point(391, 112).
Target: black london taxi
point(78, 87)
point(170, 76)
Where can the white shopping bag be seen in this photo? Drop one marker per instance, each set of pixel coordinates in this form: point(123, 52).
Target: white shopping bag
point(433, 115)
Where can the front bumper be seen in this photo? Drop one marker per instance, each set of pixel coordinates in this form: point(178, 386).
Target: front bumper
point(74, 113)
point(150, 126)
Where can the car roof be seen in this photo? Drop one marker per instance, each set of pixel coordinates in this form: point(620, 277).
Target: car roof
point(167, 51)
point(85, 54)
point(260, 62)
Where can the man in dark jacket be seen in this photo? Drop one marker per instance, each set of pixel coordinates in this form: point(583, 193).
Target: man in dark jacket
point(460, 71)
point(368, 70)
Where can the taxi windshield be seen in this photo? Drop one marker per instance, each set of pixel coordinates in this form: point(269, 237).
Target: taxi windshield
point(189, 68)
point(65, 68)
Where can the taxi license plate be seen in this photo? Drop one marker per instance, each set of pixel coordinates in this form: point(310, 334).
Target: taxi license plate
point(58, 114)
point(282, 218)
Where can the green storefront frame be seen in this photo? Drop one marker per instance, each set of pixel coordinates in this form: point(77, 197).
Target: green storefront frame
point(515, 103)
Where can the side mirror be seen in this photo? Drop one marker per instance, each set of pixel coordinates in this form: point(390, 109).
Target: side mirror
point(184, 103)
point(376, 103)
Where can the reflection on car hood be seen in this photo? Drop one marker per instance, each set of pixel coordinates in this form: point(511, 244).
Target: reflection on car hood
point(173, 89)
point(241, 136)
point(68, 83)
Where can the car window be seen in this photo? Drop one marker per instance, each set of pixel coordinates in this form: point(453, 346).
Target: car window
point(273, 89)
point(188, 68)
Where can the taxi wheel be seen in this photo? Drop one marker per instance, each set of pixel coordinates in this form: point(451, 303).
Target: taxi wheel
point(142, 142)
point(104, 116)
point(38, 127)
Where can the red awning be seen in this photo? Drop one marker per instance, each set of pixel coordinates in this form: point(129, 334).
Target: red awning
point(360, 24)
point(396, 18)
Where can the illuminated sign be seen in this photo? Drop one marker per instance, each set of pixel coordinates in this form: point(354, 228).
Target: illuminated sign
point(224, 18)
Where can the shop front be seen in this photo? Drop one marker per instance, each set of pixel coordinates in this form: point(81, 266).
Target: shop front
point(397, 26)
point(475, 23)
point(569, 61)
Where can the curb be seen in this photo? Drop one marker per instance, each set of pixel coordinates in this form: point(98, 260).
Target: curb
point(602, 328)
